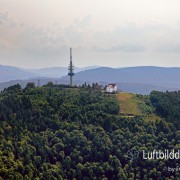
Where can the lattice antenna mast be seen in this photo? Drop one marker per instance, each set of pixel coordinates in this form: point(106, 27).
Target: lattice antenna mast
point(71, 69)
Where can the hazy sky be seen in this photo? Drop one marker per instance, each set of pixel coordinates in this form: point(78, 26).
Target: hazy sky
point(116, 33)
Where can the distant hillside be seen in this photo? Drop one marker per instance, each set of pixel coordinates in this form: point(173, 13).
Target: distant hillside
point(57, 72)
point(42, 82)
point(156, 76)
point(139, 88)
point(126, 87)
point(8, 73)
point(138, 80)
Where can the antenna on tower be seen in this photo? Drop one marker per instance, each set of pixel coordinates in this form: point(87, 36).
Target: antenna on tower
point(71, 69)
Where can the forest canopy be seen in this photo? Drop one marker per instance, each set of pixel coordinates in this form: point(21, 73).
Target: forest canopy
point(58, 132)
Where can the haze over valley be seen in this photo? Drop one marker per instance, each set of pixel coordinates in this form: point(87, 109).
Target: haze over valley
point(140, 80)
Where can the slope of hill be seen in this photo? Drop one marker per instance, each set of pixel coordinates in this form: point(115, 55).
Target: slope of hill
point(135, 88)
point(132, 105)
point(156, 76)
point(57, 72)
point(140, 80)
point(139, 88)
point(129, 104)
point(8, 73)
point(58, 132)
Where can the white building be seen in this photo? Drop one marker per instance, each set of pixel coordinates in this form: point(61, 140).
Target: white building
point(111, 88)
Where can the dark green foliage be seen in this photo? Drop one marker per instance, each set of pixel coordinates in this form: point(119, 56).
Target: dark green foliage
point(13, 89)
point(58, 132)
point(30, 85)
point(167, 105)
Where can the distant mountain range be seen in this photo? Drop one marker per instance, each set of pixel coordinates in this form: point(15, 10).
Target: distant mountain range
point(8, 73)
point(57, 72)
point(157, 76)
point(140, 80)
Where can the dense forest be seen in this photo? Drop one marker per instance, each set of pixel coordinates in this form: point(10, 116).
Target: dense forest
point(167, 105)
point(58, 132)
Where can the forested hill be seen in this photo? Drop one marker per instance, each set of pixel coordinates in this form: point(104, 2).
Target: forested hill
point(58, 132)
point(167, 104)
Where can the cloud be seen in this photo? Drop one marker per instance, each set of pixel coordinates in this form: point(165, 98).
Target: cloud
point(85, 22)
point(40, 41)
point(170, 48)
point(50, 39)
point(124, 48)
point(151, 37)
point(3, 44)
point(127, 38)
point(8, 19)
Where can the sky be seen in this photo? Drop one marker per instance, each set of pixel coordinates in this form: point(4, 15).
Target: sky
point(116, 33)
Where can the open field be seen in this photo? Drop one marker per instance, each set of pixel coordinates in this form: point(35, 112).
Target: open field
point(133, 105)
point(129, 104)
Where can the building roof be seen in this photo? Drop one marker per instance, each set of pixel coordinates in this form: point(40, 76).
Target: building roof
point(111, 85)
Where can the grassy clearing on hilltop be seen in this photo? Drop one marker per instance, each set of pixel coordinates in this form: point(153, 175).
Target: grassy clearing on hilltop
point(129, 104)
point(136, 105)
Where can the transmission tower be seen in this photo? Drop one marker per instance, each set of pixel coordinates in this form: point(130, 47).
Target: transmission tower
point(71, 69)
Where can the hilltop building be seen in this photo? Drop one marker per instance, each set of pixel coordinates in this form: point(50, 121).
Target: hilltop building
point(111, 88)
